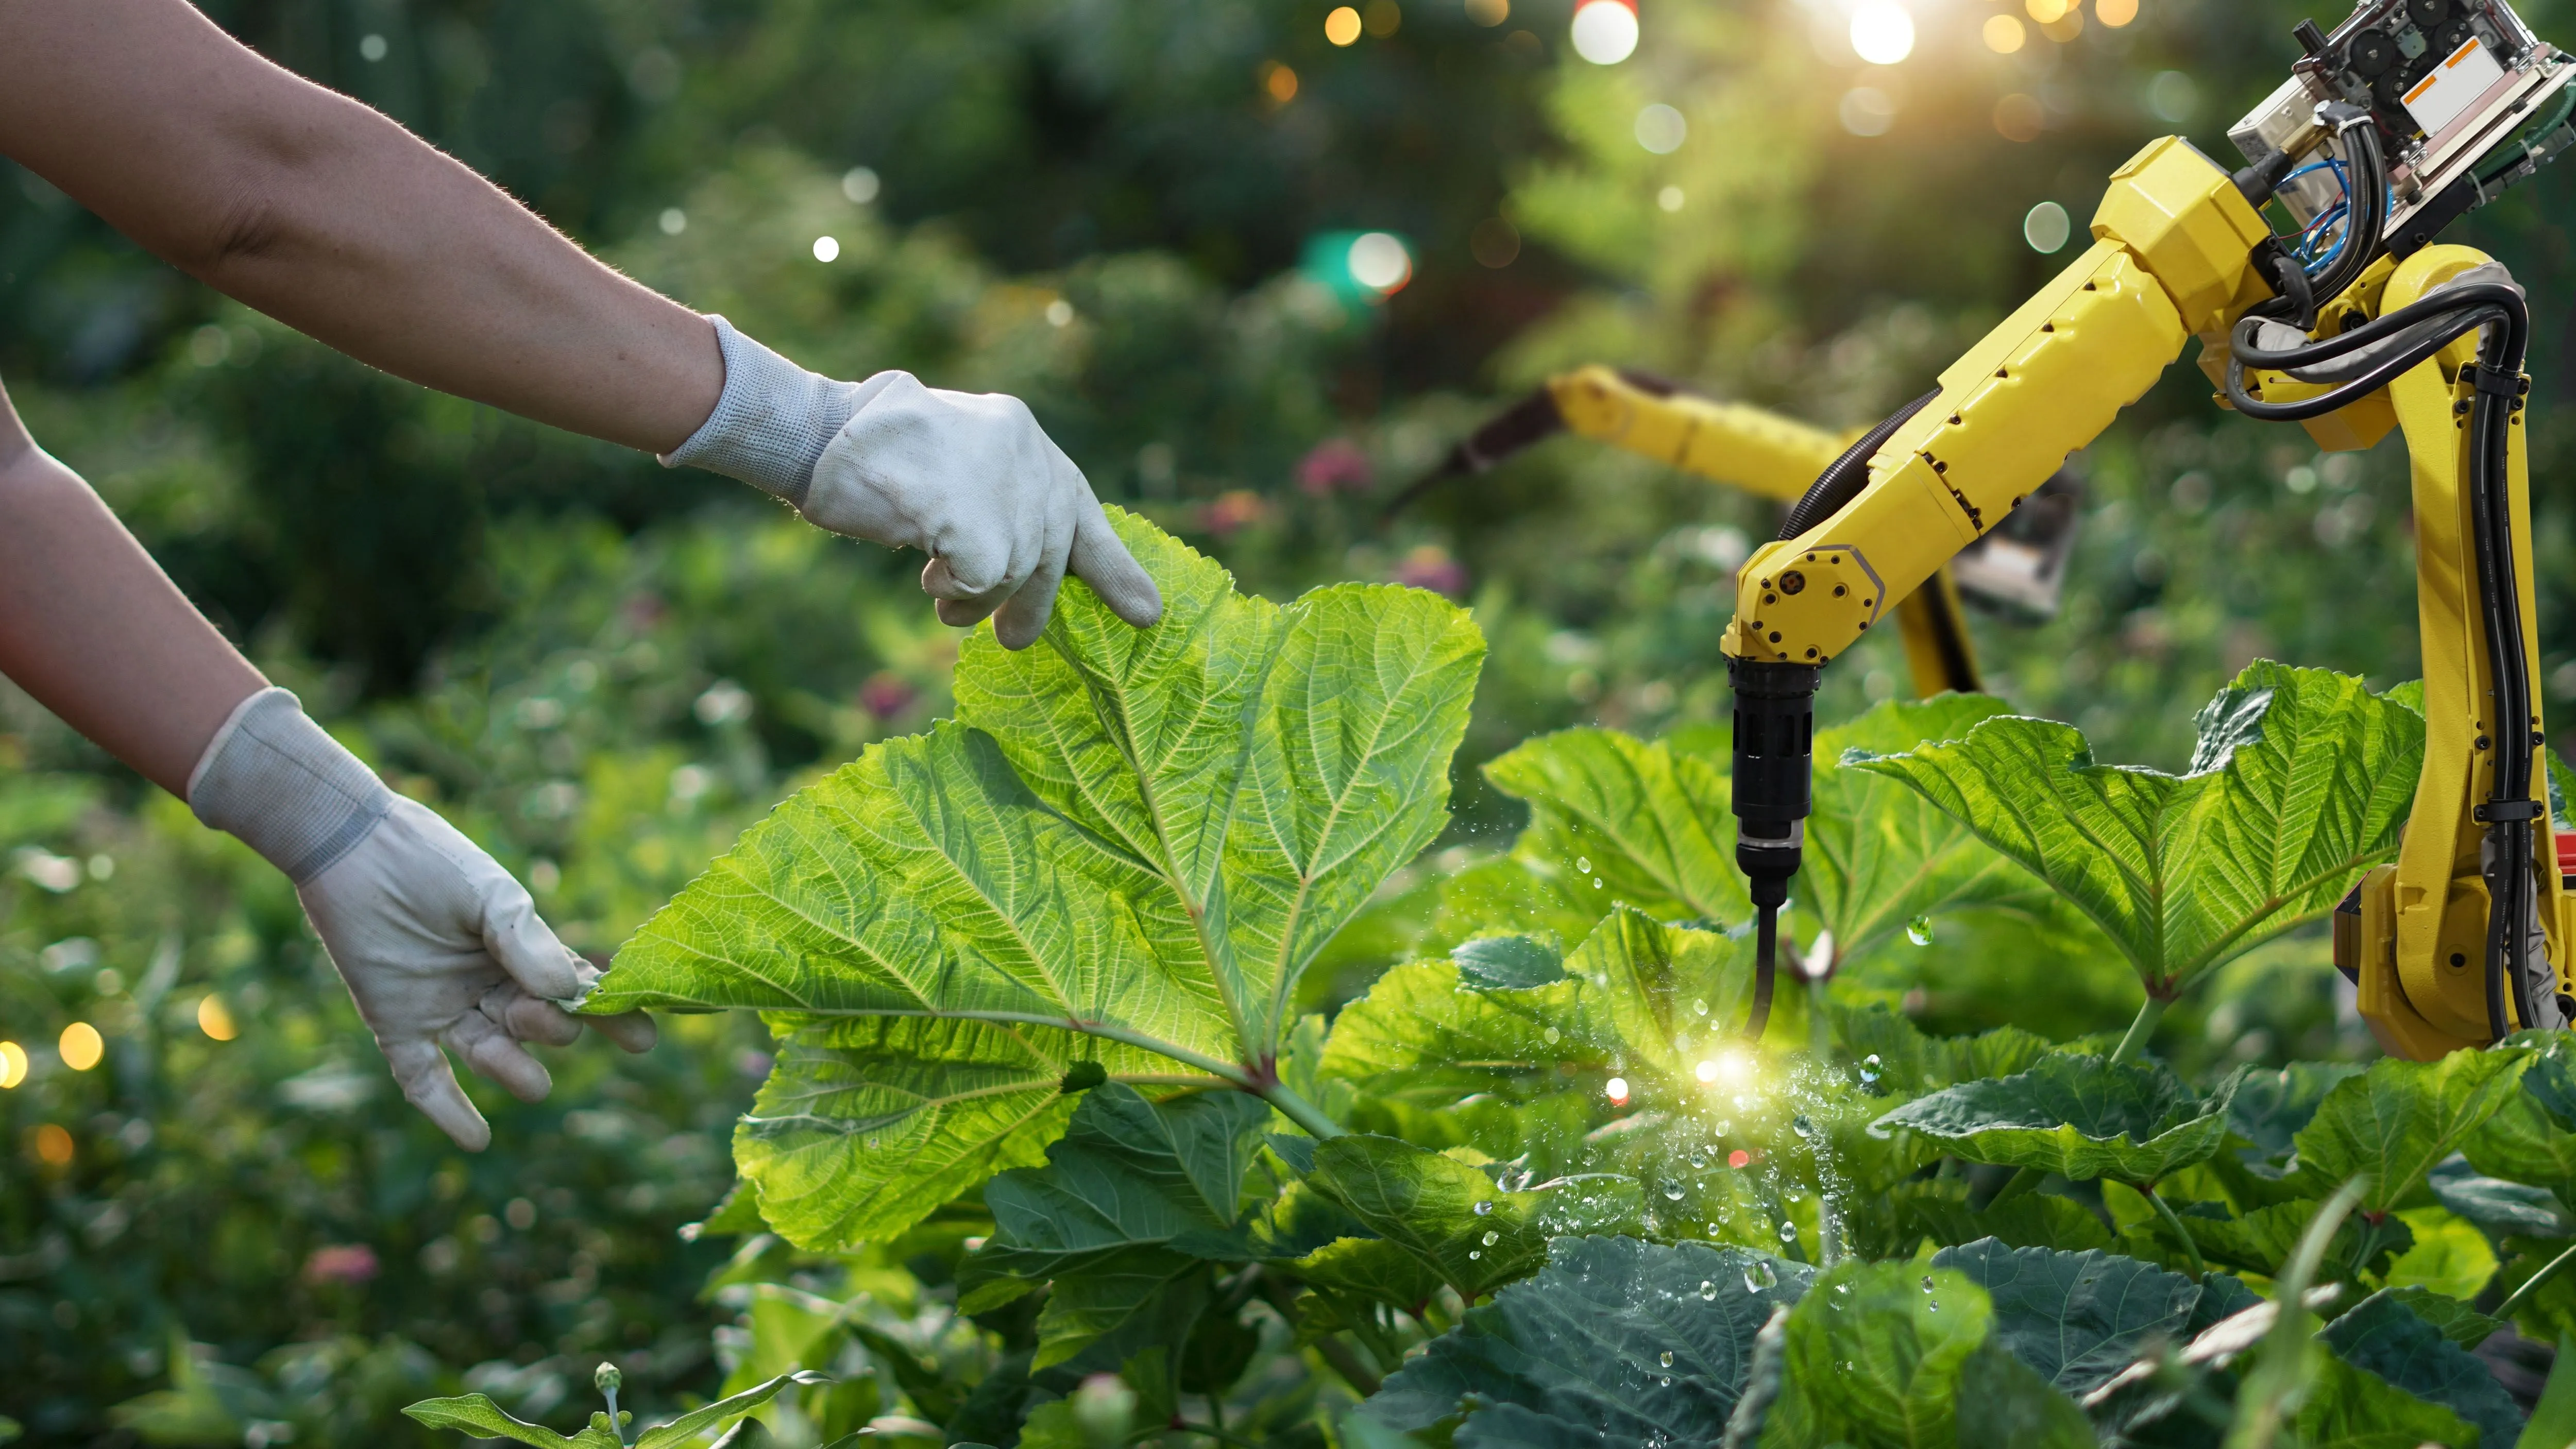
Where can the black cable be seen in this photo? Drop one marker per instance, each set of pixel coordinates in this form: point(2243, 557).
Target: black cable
point(2472, 315)
point(1843, 479)
point(2379, 329)
point(1766, 968)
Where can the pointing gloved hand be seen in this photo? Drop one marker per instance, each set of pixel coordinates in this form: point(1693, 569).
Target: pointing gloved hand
point(438, 945)
point(968, 478)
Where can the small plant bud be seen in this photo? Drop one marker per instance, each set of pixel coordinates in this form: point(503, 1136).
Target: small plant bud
point(607, 1379)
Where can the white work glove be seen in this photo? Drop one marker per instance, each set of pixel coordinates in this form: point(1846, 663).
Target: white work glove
point(968, 478)
point(439, 946)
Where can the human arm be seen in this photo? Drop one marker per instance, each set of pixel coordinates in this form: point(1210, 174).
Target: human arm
point(331, 218)
point(439, 946)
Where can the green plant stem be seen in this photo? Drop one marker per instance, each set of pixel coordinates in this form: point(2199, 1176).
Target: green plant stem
point(2173, 1220)
point(2141, 1027)
point(1302, 1112)
point(2513, 1301)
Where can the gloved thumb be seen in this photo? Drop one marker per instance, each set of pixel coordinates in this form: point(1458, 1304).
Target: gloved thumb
point(1102, 561)
point(526, 947)
point(429, 1083)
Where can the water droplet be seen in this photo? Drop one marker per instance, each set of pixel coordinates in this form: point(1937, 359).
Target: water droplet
point(1725, 1129)
point(1699, 1157)
point(1707, 1290)
point(1492, 1237)
point(1551, 1035)
point(1698, 1007)
point(1583, 865)
point(1869, 1069)
point(1473, 1254)
point(1788, 1232)
point(1483, 1208)
point(1599, 884)
point(1931, 1307)
point(1927, 1282)
point(1842, 1289)
point(1666, 1360)
point(1667, 1381)
point(1919, 930)
point(872, 1142)
point(1760, 1276)
point(1672, 1192)
point(1804, 1125)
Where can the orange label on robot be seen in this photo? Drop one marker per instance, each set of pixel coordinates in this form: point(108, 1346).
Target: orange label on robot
point(2453, 87)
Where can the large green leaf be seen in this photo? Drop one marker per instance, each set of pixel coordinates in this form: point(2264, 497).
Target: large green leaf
point(2004, 1401)
point(1454, 1219)
point(2302, 778)
point(1655, 999)
point(2077, 1115)
point(2350, 1408)
point(1896, 1056)
point(1654, 826)
point(477, 1415)
point(2077, 1318)
point(1133, 1197)
point(1875, 1352)
point(2262, 1239)
point(2384, 1336)
point(1616, 1344)
point(2394, 1122)
point(1126, 849)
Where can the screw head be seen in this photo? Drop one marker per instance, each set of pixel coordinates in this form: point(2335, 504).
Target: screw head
point(1793, 582)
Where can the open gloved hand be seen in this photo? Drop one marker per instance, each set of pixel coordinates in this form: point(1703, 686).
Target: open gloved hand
point(968, 478)
point(440, 947)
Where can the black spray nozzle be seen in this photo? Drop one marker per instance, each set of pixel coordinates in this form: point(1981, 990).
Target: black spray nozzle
point(1775, 736)
point(2310, 38)
point(1532, 420)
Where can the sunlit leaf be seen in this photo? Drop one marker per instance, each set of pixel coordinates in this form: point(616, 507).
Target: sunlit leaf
point(2302, 778)
point(477, 1415)
point(2077, 1318)
point(1453, 1218)
point(1126, 849)
point(2393, 1122)
point(1875, 1353)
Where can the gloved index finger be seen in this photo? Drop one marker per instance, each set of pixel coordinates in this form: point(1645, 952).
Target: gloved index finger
point(527, 948)
point(1101, 559)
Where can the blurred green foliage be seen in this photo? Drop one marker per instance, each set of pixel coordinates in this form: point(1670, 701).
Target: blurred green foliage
point(604, 669)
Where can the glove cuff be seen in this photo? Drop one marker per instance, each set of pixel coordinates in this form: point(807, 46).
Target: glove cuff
point(273, 779)
point(772, 421)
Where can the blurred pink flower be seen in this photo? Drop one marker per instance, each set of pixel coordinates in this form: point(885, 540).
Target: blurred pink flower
point(1230, 513)
point(887, 694)
point(1335, 466)
point(1429, 566)
point(340, 1263)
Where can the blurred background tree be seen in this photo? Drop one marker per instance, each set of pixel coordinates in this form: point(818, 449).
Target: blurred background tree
point(218, 1227)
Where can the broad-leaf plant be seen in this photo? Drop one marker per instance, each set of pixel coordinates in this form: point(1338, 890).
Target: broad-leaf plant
point(1036, 980)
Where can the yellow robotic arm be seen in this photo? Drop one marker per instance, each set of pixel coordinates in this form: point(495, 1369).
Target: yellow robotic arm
point(1743, 447)
point(2453, 945)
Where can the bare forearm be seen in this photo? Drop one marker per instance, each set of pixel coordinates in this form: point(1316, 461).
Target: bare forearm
point(92, 628)
point(331, 218)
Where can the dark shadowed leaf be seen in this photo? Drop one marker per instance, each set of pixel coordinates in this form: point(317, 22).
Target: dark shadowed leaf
point(2079, 1116)
point(2076, 1318)
point(2004, 1401)
point(1453, 1218)
point(1506, 963)
point(2384, 1335)
point(1617, 1343)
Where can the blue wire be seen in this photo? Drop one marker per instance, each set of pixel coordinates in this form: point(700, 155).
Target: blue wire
point(2303, 248)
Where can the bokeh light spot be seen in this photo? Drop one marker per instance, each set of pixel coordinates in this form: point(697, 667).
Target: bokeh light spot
point(1670, 198)
point(1489, 12)
point(2046, 11)
point(672, 221)
point(53, 1145)
point(2115, 13)
point(13, 1064)
point(81, 1046)
point(1867, 111)
point(1616, 1089)
point(860, 185)
point(1661, 129)
point(1738, 1158)
point(2047, 228)
point(827, 248)
point(1279, 83)
point(1342, 27)
point(2173, 96)
point(2004, 34)
point(1495, 242)
point(1605, 31)
point(1379, 262)
point(2017, 117)
point(1882, 33)
point(1382, 18)
point(216, 1019)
